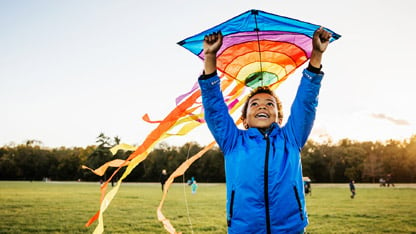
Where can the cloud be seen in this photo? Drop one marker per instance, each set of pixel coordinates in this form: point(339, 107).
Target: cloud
point(391, 119)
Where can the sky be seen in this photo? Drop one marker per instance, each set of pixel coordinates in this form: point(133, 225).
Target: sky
point(70, 70)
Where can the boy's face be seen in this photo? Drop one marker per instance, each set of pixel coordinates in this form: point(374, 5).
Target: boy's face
point(261, 111)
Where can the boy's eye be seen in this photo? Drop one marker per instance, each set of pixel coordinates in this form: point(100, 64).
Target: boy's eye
point(253, 104)
point(270, 104)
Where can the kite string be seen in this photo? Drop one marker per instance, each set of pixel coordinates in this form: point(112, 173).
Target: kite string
point(258, 43)
point(184, 194)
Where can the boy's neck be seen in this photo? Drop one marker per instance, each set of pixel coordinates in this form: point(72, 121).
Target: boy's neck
point(266, 130)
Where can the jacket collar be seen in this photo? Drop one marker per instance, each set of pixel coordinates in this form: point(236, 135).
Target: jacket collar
point(271, 131)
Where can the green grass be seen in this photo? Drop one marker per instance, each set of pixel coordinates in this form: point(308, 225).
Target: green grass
point(55, 207)
point(373, 210)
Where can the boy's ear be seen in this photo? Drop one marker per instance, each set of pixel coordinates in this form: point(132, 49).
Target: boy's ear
point(245, 124)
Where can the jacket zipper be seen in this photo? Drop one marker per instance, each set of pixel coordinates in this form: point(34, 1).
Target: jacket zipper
point(266, 183)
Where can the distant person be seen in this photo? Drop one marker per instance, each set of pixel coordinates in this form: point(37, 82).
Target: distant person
point(194, 185)
point(382, 182)
point(308, 189)
point(163, 177)
point(352, 188)
point(190, 181)
point(389, 181)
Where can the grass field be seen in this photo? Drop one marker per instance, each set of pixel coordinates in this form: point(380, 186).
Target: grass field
point(55, 207)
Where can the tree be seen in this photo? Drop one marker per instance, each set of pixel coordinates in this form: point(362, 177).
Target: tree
point(394, 159)
point(411, 158)
point(372, 165)
point(8, 167)
point(313, 161)
point(322, 162)
point(99, 156)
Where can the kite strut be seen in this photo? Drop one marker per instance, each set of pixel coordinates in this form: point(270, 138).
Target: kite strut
point(255, 13)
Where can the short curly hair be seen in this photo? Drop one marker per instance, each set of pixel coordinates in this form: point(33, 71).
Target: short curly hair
point(263, 89)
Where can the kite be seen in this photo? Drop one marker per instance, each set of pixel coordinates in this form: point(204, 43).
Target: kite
point(259, 49)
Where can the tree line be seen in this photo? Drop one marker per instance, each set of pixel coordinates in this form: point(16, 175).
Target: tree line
point(327, 162)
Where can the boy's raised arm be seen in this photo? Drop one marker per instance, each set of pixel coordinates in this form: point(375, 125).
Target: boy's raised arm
point(212, 43)
point(320, 42)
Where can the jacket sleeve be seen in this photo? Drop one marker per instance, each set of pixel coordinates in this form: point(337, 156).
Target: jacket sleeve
point(216, 114)
point(303, 109)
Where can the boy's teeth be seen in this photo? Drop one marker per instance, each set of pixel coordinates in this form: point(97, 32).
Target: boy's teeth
point(262, 115)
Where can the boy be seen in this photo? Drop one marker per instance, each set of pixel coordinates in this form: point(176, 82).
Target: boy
point(262, 163)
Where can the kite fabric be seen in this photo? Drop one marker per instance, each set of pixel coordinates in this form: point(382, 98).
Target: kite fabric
point(259, 49)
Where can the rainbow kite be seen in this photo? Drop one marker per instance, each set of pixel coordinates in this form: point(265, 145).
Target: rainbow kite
point(259, 49)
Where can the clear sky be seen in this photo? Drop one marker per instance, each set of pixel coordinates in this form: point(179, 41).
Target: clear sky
point(70, 70)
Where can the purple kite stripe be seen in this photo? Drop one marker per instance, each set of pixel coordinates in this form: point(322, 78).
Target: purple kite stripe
point(299, 40)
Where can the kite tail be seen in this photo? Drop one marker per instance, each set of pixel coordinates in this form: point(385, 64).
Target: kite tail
point(101, 170)
point(182, 113)
point(139, 155)
point(178, 172)
point(106, 200)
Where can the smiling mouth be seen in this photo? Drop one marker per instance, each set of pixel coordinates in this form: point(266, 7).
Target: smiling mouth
point(262, 115)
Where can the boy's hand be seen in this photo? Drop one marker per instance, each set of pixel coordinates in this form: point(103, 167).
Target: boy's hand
point(321, 40)
point(212, 43)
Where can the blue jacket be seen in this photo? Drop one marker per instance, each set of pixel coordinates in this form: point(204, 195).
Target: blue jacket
point(263, 171)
